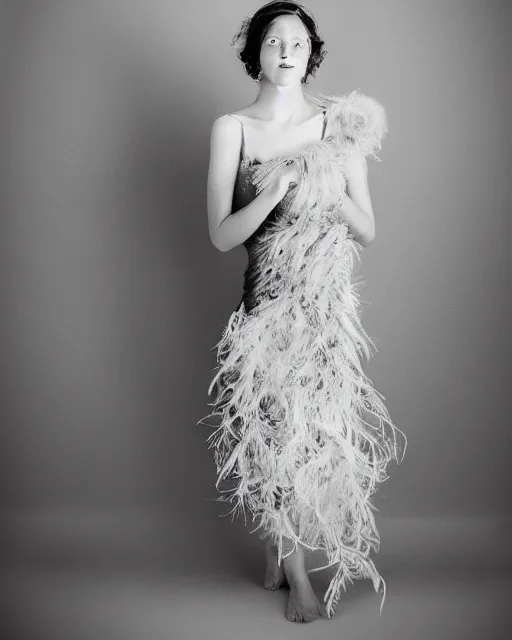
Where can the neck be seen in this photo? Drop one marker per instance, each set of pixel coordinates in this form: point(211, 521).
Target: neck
point(285, 105)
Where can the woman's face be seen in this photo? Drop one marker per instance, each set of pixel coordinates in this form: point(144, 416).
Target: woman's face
point(286, 42)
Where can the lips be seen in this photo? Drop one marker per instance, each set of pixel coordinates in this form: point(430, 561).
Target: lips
point(286, 66)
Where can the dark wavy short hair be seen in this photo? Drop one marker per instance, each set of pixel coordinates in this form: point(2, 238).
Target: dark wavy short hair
point(249, 39)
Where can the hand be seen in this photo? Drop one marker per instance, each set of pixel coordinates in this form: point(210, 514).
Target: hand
point(287, 175)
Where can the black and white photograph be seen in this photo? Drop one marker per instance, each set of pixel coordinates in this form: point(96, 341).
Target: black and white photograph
point(255, 284)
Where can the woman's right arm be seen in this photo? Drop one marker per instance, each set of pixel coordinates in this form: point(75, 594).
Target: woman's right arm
point(228, 230)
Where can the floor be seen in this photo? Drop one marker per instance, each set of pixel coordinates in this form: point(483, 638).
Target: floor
point(203, 585)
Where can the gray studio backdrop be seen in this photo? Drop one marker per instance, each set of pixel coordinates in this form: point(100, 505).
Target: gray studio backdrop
point(113, 295)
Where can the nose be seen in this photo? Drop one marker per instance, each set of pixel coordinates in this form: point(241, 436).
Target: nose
point(284, 50)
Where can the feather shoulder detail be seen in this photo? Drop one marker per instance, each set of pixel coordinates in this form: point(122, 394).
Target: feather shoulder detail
point(357, 119)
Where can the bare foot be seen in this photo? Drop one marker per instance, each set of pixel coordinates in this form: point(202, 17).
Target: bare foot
point(275, 576)
point(303, 605)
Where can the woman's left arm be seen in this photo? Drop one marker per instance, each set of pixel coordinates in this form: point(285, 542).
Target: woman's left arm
point(357, 209)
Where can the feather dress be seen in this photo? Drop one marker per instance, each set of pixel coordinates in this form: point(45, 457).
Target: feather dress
point(303, 438)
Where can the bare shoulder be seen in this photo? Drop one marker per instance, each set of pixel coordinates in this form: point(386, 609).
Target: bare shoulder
point(225, 132)
point(225, 144)
point(225, 123)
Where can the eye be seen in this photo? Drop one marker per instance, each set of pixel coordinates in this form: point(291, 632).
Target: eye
point(299, 44)
point(272, 41)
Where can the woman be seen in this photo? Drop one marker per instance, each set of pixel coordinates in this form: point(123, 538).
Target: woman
point(304, 437)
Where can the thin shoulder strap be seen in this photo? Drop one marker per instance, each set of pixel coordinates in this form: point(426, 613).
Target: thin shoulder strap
point(242, 149)
point(324, 128)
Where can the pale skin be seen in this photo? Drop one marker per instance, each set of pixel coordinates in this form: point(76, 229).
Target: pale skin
point(281, 121)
